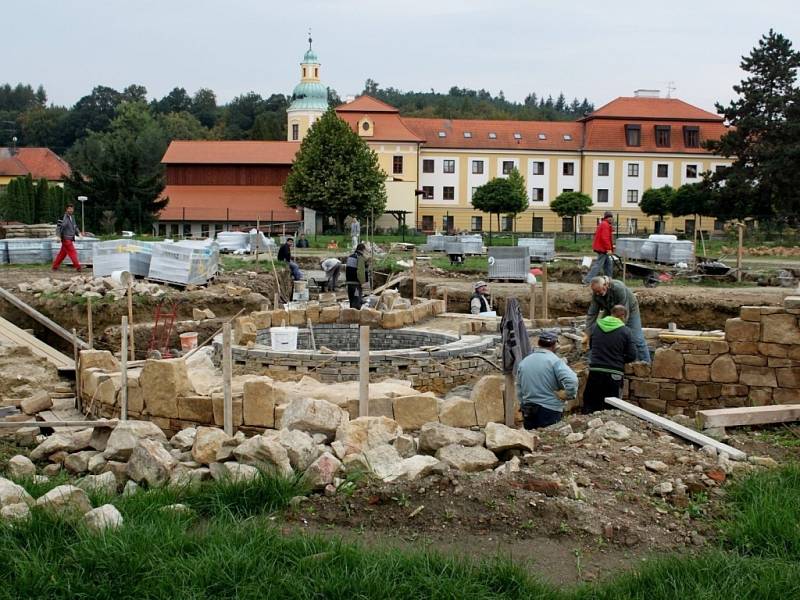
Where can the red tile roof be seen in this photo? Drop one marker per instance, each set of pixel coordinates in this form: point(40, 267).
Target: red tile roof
point(39, 162)
point(226, 202)
point(479, 130)
point(230, 152)
point(609, 135)
point(386, 127)
point(368, 104)
point(626, 107)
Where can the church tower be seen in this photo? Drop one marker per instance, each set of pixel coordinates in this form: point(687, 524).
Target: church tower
point(309, 98)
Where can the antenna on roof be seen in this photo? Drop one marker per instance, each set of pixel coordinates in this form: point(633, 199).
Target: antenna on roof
point(670, 88)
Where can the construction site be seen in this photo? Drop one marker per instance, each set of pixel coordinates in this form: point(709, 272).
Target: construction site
point(399, 417)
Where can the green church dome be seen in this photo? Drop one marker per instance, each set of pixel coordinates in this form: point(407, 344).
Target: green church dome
point(310, 56)
point(309, 96)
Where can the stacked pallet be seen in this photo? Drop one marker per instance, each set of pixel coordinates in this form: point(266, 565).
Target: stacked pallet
point(41, 230)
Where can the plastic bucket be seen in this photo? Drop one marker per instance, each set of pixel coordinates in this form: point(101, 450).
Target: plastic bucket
point(283, 338)
point(188, 340)
point(121, 277)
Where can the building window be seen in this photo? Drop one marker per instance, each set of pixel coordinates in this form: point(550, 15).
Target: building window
point(304, 71)
point(567, 224)
point(567, 190)
point(427, 192)
point(217, 229)
point(538, 167)
point(477, 224)
point(691, 137)
point(477, 167)
point(295, 132)
point(719, 169)
point(719, 225)
point(316, 72)
point(365, 126)
point(633, 135)
point(691, 171)
point(448, 192)
point(538, 224)
point(537, 194)
point(427, 222)
point(662, 170)
point(427, 165)
point(633, 225)
point(602, 196)
point(187, 230)
point(472, 193)
point(568, 168)
point(448, 166)
point(467, 134)
point(442, 134)
point(492, 135)
point(508, 166)
point(633, 196)
point(204, 230)
point(633, 169)
point(162, 230)
point(175, 230)
point(447, 223)
point(662, 136)
point(602, 169)
point(508, 223)
point(397, 164)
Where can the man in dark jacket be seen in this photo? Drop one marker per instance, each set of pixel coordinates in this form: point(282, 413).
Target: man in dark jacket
point(479, 302)
point(603, 246)
point(611, 343)
point(66, 230)
point(606, 294)
point(285, 255)
point(355, 272)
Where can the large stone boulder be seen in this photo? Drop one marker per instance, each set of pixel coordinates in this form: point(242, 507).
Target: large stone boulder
point(240, 473)
point(723, 370)
point(299, 446)
point(184, 439)
point(78, 462)
point(126, 436)
point(37, 403)
point(207, 443)
point(780, 329)
point(488, 398)
point(162, 381)
point(265, 453)
point(20, 467)
point(314, 416)
point(322, 471)
point(102, 518)
point(458, 412)
point(412, 412)
point(415, 467)
point(258, 403)
point(150, 462)
point(15, 512)
point(467, 458)
point(499, 437)
point(364, 433)
point(383, 461)
point(71, 441)
point(12, 493)
point(105, 483)
point(433, 436)
point(65, 500)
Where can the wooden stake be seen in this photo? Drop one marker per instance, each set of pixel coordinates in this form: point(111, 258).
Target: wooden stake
point(89, 322)
point(227, 366)
point(444, 298)
point(311, 333)
point(123, 353)
point(739, 252)
point(413, 275)
point(545, 299)
point(277, 301)
point(258, 240)
point(76, 357)
point(130, 319)
point(624, 269)
point(509, 399)
point(532, 302)
point(363, 371)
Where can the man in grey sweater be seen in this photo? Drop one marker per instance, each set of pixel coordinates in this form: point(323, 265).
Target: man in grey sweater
point(66, 230)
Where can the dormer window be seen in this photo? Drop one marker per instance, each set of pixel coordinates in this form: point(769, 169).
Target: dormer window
point(691, 137)
point(365, 126)
point(542, 136)
point(517, 136)
point(467, 134)
point(442, 134)
point(567, 137)
point(662, 136)
point(633, 135)
point(492, 135)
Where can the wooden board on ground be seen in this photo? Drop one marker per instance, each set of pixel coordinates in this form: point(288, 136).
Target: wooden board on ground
point(37, 316)
point(56, 419)
point(749, 415)
point(390, 283)
point(673, 427)
point(13, 335)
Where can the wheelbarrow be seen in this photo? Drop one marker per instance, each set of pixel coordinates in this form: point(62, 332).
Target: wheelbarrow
point(650, 277)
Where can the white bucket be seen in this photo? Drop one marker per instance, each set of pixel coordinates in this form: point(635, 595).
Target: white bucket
point(188, 340)
point(586, 262)
point(299, 286)
point(121, 277)
point(283, 338)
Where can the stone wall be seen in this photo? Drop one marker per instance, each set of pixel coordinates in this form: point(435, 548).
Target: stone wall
point(755, 363)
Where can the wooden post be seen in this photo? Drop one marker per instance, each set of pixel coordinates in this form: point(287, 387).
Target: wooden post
point(509, 399)
point(89, 321)
point(76, 357)
point(130, 318)
point(123, 353)
point(413, 275)
point(227, 407)
point(363, 371)
point(277, 301)
point(532, 302)
point(444, 298)
point(258, 239)
point(739, 252)
point(545, 299)
point(311, 333)
point(624, 269)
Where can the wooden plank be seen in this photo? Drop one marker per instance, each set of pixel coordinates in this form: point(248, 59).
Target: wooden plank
point(36, 315)
point(15, 336)
point(227, 368)
point(673, 427)
point(509, 399)
point(363, 371)
point(123, 354)
point(748, 415)
point(70, 424)
point(389, 284)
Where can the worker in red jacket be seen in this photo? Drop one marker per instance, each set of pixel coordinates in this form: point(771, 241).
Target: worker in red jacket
point(603, 245)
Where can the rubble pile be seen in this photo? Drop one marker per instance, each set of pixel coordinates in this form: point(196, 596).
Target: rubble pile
point(88, 286)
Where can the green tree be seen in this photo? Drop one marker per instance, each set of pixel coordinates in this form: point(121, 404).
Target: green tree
point(336, 173)
point(692, 199)
point(204, 107)
point(40, 201)
point(502, 195)
point(657, 201)
point(120, 170)
point(182, 126)
point(764, 138)
point(20, 200)
point(571, 204)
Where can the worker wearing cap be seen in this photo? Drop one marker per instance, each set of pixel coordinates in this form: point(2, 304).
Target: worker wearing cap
point(603, 245)
point(479, 302)
point(540, 376)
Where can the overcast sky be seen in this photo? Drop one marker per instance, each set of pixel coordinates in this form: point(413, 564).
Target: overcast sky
point(599, 50)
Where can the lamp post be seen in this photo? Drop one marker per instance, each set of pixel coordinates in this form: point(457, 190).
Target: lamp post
point(82, 199)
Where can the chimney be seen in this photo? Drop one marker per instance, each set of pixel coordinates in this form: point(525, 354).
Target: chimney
point(349, 98)
point(642, 93)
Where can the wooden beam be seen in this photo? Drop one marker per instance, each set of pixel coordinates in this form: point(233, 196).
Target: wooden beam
point(748, 415)
point(123, 353)
point(509, 399)
point(673, 427)
point(227, 368)
point(37, 316)
point(363, 371)
point(16, 424)
point(389, 284)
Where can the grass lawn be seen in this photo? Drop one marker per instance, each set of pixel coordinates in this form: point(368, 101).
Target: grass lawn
point(228, 547)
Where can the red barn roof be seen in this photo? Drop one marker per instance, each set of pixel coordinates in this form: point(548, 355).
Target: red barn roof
point(230, 152)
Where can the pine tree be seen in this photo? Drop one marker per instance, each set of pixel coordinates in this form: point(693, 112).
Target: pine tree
point(336, 173)
point(40, 201)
